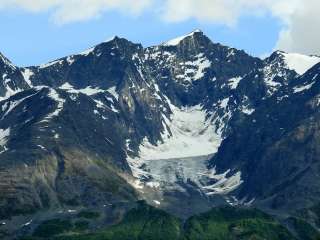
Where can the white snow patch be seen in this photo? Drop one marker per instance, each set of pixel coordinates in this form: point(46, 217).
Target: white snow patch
point(70, 60)
point(96, 112)
point(231, 53)
point(234, 82)
point(269, 77)
point(303, 88)
point(299, 62)
point(7, 62)
point(248, 111)
point(176, 41)
point(110, 39)
point(87, 52)
point(233, 201)
point(53, 94)
point(224, 103)
point(114, 109)
point(27, 223)
point(27, 74)
point(100, 104)
point(66, 86)
point(113, 92)
point(60, 62)
point(42, 147)
point(9, 91)
point(89, 91)
point(10, 105)
point(194, 70)
point(4, 134)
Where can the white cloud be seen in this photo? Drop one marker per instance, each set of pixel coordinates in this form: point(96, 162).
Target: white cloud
point(301, 34)
point(66, 11)
point(216, 11)
point(299, 17)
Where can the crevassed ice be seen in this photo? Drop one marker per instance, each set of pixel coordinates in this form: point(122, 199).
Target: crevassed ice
point(189, 141)
point(191, 135)
point(4, 134)
point(224, 184)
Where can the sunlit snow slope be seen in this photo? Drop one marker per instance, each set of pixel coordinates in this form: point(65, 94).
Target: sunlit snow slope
point(300, 63)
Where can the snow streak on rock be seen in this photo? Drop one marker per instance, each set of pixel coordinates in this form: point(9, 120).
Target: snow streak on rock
point(176, 41)
point(53, 94)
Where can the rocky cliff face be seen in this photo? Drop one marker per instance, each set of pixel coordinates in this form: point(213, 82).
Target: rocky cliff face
point(12, 80)
point(120, 122)
point(276, 147)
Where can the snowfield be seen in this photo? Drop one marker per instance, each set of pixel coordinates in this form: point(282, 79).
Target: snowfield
point(186, 134)
point(299, 62)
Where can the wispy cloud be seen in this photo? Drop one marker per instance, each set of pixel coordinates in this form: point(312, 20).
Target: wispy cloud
point(299, 18)
point(68, 11)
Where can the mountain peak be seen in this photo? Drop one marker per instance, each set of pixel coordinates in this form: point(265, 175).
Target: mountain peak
point(3, 58)
point(111, 39)
point(297, 62)
point(176, 41)
point(6, 61)
point(197, 30)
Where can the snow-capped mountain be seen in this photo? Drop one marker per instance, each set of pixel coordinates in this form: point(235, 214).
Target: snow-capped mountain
point(120, 122)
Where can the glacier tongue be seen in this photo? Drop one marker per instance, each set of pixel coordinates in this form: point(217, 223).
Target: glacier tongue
point(188, 141)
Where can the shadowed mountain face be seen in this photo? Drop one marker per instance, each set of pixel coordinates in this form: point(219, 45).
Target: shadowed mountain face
point(187, 119)
point(277, 147)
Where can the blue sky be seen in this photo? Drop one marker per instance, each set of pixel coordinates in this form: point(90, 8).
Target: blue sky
point(32, 38)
